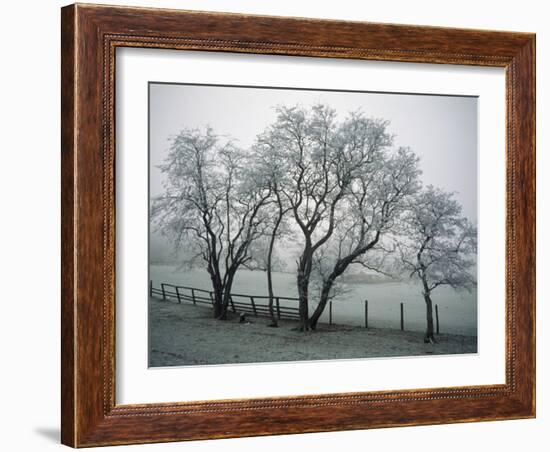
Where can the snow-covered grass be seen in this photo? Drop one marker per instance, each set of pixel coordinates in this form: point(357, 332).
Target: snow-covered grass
point(183, 334)
point(457, 311)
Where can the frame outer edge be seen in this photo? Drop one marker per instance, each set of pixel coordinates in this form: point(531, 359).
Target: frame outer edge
point(68, 242)
point(534, 225)
point(526, 223)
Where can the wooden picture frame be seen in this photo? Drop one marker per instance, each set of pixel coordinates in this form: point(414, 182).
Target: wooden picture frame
point(90, 36)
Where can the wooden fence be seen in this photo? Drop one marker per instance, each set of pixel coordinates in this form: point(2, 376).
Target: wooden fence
point(257, 305)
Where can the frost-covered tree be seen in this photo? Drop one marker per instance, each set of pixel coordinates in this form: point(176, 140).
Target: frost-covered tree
point(344, 187)
point(210, 207)
point(439, 247)
point(320, 167)
point(371, 210)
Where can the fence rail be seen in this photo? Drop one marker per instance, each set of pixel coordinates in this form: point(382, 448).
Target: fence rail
point(256, 305)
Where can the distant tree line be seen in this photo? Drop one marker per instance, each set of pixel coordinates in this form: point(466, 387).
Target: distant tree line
point(339, 188)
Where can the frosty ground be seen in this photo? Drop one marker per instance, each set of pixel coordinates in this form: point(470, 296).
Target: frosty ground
point(457, 311)
point(182, 334)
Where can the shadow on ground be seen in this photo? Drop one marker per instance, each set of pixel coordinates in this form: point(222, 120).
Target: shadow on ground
point(50, 433)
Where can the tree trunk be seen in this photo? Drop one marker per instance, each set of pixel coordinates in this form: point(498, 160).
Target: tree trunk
point(303, 308)
point(325, 291)
point(274, 321)
point(225, 303)
point(217, 287)
point(302, 280)
point(218, 295)
point(429, 337)
point(218, 305)
point(339, 268)
point(271, 297)
point(227, 294)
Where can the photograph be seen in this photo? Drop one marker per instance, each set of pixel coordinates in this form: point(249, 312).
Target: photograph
point(292, 224)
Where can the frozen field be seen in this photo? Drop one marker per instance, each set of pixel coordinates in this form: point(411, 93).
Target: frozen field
point(457, 311)
point(183, 334)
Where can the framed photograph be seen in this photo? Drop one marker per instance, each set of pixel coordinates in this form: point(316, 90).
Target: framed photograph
point(280, 225)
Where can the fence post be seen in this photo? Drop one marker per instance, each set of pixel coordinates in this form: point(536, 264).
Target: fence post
point(437, 319)
point(163, 292)
point(212, 297)
point(193, 296)
point(330, 313)
point(150, 287)
point(366, 313)
point(253, 305)
point(232, 305)
point(402, 319)
point(178, 294)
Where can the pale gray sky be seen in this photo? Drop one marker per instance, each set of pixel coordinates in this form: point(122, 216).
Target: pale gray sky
point(441, 130)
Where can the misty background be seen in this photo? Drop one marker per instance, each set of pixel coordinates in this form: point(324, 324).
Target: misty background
point(441, 130)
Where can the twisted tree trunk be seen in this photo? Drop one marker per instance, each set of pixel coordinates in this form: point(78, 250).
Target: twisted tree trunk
point(339, 268)
point(325, 292)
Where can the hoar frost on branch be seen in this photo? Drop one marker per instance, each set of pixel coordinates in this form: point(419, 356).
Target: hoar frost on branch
point(438, 247)
point(209, 207)
point(341, 179)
